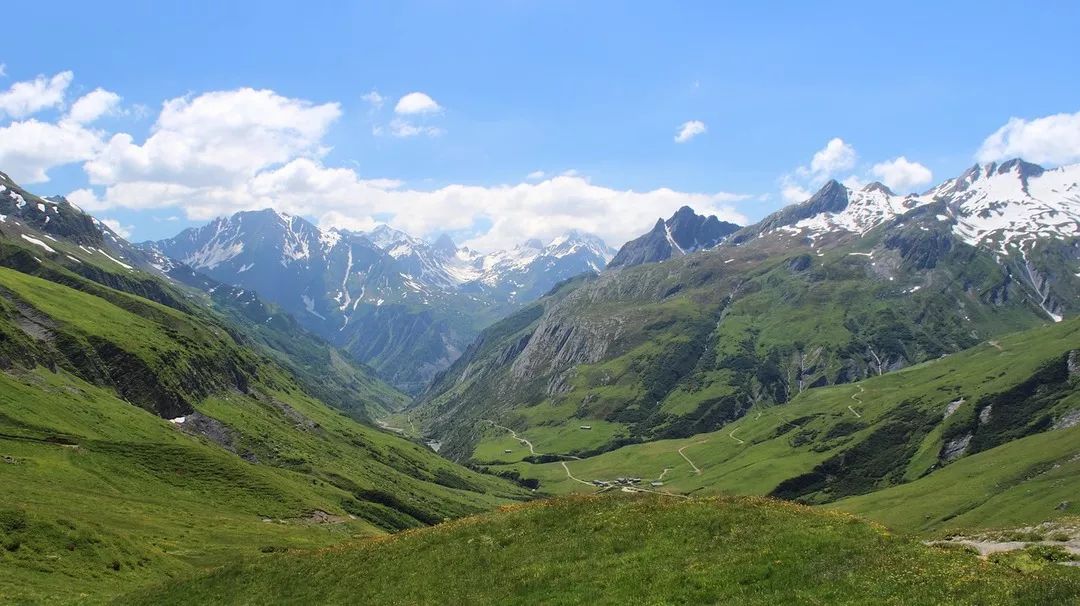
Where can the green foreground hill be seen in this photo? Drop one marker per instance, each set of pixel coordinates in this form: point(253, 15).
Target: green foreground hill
point(145, 436)
point(643, 549)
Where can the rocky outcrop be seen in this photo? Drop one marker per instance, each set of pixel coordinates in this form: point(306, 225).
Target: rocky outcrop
point(683, 233)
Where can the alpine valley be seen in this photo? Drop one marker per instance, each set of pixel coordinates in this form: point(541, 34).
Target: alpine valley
point(403, 306)
point(254, 410)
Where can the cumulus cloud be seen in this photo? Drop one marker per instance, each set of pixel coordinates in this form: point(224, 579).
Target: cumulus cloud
point(837, 160)
point(535, 175)
point(416, 103)
point(29, 97)
point(28, 149)
point(837, 156)
point(901, 174)
point(93, 105)
point(1048, 140)
point(219, 138)
point(688, 130)
point(226, 151)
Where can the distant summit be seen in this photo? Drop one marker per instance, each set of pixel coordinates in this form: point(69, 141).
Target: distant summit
point(685, 232)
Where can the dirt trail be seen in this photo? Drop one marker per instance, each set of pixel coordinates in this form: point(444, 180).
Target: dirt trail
point(996, 345)
point(683, 455)
point(532, 449)
point(855, 396)
point(732, 436)
point(572, 476)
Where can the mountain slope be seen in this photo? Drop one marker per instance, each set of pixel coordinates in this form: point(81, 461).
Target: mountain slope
point(985, 438)
point(684, 346)
point(642, 549)
point(401, 305)
point(144, 438)
point(685, 232)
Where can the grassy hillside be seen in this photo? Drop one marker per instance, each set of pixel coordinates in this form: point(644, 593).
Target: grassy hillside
point(632, 550)
point(102, 492)
point(884, 437)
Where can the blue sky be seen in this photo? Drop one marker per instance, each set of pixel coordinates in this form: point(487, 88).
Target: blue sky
point(598, 88)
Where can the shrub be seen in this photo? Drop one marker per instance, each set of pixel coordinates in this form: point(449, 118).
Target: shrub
point(13, 520)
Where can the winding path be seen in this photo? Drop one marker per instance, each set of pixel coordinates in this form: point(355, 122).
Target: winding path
point(532, 449)
point(572, 476)
point(855, 396)
point(683, 455)
point(732, 435)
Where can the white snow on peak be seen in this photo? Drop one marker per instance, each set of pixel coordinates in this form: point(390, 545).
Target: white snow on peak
point(329, 238)
point(998, 206)
point(866, 209)
point(1001, 206)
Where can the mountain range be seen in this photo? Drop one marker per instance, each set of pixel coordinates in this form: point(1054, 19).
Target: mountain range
point(404, 306)
point(172, 407)
point(852, 283)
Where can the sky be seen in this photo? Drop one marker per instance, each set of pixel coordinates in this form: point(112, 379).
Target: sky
point(497, 122)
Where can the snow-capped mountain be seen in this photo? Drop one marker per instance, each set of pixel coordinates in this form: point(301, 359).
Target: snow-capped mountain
point(1028, 217)
point(404, 305)
point(685, 232)
point(1005, 206)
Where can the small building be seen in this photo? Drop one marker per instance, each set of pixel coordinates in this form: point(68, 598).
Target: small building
point(656, 483)
point(586, 427)
point(508, 451)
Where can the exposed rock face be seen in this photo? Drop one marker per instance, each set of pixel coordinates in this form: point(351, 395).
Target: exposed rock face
point(954, 449)
point(685, 232)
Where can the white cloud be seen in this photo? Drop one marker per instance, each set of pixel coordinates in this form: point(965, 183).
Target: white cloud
point(416, 103)
point(901, 174)
point(30, 97)
point(219, 138)
point(374, 99)
point(3, 70)
point(404, 128)
point(124, 231)
point(837, 156)
point(93, 105)
point(222, 152)
point(690, 129)
point(1048, 140)
point(535, 175)
point(30, 148)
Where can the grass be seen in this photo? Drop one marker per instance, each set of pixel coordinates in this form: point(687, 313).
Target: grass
point(101, 495)
point(1021, 481)
point(641, 550)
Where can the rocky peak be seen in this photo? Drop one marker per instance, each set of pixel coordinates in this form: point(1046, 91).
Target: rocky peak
point(444, 245)
point(683, 233)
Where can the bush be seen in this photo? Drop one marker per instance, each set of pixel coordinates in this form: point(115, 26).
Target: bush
point(13, 520)
point(1051, 553)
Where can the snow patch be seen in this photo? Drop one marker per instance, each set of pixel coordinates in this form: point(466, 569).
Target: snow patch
point(37, 242)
